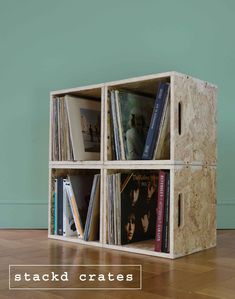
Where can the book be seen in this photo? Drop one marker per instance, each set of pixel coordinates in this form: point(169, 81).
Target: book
point(59, 122)
point(52, 212)
point(162, 147)
point(55, 131)
point(111, 153)
point(54, 138)
point(160, 210)
point(115, 125)
point(84, 120)
point(55, 205)
point(110, 193)
point(157, 115)
point(78, 191)
point(69, 228)
point(118, 207)
point(165, 233)
point(60, 206)
point(61, 129)
point(115, 227)
point(74, 209)
point(119, 125)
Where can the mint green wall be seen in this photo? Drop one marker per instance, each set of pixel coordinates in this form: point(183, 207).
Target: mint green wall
point(48, 45)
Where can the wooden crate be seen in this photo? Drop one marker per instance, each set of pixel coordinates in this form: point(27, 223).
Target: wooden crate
point(192, 161)
point(192, 209)
point(192, 117)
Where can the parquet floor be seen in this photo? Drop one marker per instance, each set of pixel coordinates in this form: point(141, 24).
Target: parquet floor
point(205, 275)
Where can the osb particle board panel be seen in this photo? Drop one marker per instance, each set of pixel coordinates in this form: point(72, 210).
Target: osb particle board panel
point(197, 230)
point(90, 91)
point(197, 141)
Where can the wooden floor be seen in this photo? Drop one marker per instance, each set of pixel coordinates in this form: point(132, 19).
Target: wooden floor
point(204, 275)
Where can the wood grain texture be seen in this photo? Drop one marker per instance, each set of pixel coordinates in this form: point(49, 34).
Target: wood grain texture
point(208, 274)
point(196, 185)
point(90, 91)
point(197, 228)
point(197, 141)
point(195, 145)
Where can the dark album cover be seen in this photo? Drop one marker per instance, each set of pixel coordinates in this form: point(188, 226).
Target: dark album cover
point(138, 206)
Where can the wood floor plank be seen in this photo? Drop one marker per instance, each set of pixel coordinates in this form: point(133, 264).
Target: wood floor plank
point(205, 275)
point(218, 292)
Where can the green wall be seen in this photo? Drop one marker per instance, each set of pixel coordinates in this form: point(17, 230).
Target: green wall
point(48, 45)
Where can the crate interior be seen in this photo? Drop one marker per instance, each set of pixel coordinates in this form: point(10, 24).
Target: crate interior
point(82, 183)
point(136, 103)
point(90, 93)
point(76, 130)
point(137, 210)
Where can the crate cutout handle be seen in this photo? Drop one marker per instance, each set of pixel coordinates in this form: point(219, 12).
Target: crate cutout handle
point(180, 210)
point(179, 118)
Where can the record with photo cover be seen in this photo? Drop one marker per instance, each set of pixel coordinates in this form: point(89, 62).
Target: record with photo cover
point(84, 125)
point(138, 206)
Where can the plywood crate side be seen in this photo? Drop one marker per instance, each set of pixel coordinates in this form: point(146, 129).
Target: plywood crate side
point(194, 136)
point(194, 219)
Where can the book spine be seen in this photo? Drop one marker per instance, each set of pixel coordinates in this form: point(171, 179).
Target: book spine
point(91, 201)
point(115, 126)
point(115, 209)
point(111, 154)
point(67, 135)
point(162, 149)
point(52, 223)
point(71, 145)
point(155, 122)
point(65, 228)
point(56, 142)
point(111, 192)
point(58, 129)
point(165, 234)
point(53, 138)
point(60, 206)
point(62, 129)
point(118, 199)
point(160, 210)
point(55, 206)
point(122, 97)
point(119, 123)
point(109, 209)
